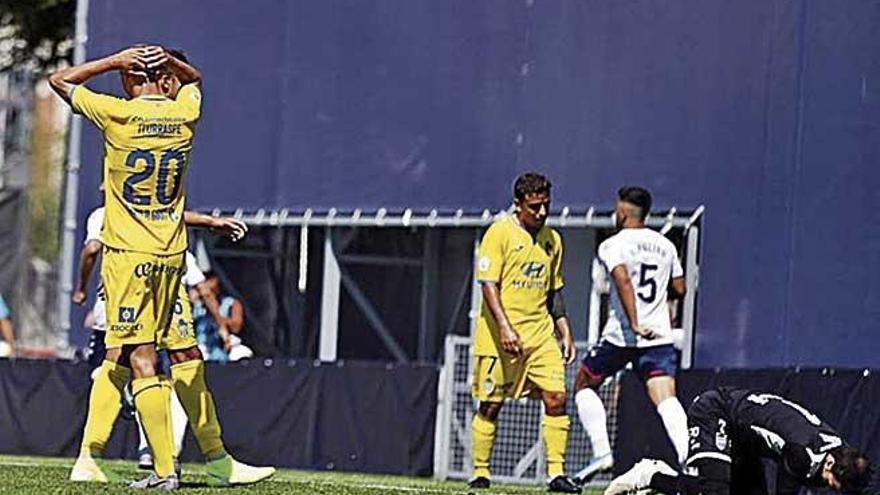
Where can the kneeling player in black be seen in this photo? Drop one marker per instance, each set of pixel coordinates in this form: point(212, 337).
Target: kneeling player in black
point(732, 431)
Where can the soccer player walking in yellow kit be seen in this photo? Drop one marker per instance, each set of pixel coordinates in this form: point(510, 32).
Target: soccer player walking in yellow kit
point(147, 142)
point(515, 348)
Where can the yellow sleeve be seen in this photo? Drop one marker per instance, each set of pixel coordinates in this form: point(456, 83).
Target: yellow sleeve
point(98, 108)
point(558, 281)
point(190, 96)
point(491, 255)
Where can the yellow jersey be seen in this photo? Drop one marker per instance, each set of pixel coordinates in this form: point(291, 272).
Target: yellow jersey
point(525, 270)
point(147, 144)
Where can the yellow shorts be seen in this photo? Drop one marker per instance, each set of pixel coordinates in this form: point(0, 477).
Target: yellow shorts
point(181, 334)
point(501, 377)
point(142, 292)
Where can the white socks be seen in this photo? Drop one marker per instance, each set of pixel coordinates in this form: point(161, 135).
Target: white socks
point(591, 412)
point(178, 425)
point(675, 421)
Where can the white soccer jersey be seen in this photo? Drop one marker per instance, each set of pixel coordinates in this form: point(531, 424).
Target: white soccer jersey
point(651, 261)
point(193, 275)
point(94, 225)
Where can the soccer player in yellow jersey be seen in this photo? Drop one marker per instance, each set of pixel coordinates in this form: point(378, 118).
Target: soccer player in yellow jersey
point(516, 352)
point(147, 142)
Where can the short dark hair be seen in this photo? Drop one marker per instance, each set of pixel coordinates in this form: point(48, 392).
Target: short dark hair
point(178, 54)
point(530, 183)
point(153, 74)
point(852, 469)
point(638, 196)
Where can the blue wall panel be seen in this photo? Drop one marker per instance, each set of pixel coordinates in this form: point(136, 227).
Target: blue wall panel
point(767, 112)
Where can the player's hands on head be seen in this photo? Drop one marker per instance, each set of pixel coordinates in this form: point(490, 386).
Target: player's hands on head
point(233, 228)
point(154, 56)
point(78, 297)
point(510, 341)
point(139, 59)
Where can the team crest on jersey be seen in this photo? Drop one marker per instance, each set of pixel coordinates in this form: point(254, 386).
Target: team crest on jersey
point(484, 263)
point(721, 439)
point(488, 386)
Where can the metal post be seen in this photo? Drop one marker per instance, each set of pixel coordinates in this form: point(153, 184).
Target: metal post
point(445, 400)
point(476, 291)
point(68, 225)
point(329, 302)
point(689, 309)
point(5, 102)
point(302, 273)
point(429, 295)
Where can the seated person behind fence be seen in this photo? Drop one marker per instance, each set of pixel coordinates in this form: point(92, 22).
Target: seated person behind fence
point(219, 338)
point(7, 344)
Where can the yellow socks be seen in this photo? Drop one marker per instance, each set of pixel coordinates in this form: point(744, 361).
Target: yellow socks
point(483, 437)
point(152, 399)
point(189, 383)
point(104, 405)
point(554, 429)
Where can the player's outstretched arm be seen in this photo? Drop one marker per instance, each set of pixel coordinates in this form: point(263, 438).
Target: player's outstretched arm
point(130, 59)
point(87, 260)
point(230, 227)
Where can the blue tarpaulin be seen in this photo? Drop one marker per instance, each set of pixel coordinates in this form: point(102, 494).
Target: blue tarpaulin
point(767, 112)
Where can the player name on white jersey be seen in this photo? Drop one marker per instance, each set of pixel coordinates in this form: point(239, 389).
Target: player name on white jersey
point(651, 260)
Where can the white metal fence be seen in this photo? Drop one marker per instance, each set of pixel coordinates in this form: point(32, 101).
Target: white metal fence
point(518, 454)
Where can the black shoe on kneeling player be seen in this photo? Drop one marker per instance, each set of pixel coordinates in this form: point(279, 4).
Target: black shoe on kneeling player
point(480, 482)
point(563, 484)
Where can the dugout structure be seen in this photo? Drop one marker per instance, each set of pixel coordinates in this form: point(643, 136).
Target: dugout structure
point(393, 286)
point(336, 253)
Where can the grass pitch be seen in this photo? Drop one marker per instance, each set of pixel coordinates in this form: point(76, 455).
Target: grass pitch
point(41, 475)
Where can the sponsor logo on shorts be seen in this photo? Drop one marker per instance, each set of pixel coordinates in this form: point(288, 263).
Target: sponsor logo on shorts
point(126, 314)
point(127, 321)
point(149, 269)
point(183, 327)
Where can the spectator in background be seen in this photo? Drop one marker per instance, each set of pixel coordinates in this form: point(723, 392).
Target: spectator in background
point(219, 335)
point(7, 345)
